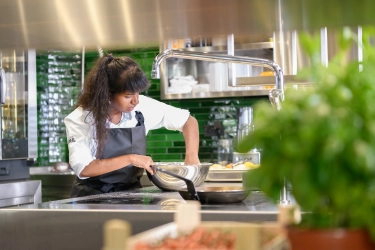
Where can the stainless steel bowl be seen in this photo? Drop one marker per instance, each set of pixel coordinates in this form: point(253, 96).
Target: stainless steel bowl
point(196, 173)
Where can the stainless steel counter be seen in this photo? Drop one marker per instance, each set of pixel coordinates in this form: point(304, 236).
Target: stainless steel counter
point(57, 185)
point(152, 198)
point(77, 223)
point(20, 192)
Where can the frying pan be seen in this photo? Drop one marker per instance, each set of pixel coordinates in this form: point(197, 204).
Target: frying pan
point(208, 195)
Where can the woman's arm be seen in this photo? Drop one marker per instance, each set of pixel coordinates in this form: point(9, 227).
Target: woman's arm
point(103, 166)
point(191, 134)
point(81, 155)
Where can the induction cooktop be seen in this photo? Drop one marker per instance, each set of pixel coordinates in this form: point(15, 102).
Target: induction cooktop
point(147, 200)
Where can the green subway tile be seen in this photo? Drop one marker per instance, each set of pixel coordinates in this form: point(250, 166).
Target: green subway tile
point(167, 160)
point(201, 130)
point(211, 102)
point(206, 149)
point(151, 55)
point(155, 81)
point(153, 87)
point(143, 63)
point(199, 110)
point(201, 117)
point(176, 150)
point(174, 104)
point(137, 56)
point(159, 144)
point(162, 131)
point(176, 157)
point(205, 155)
point(155, 137)
point(156, 150)
point(179, 144)
point(190, 104)
point(175, 137)
point(153, 92)
point(146, 65)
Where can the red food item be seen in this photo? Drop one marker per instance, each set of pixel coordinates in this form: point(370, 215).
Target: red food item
point(200, 238)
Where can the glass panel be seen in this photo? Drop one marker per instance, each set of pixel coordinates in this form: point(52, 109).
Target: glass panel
point(14, 109)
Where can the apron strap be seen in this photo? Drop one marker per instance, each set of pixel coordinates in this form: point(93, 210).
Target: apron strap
point(139, 117)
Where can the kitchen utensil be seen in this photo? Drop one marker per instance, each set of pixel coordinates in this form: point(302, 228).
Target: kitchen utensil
point(208, 194)
point(196, 173)
point(191, 193)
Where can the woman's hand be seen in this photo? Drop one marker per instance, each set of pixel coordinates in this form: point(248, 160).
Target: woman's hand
point(192, 159)
point(142, 161)
point(103, 166)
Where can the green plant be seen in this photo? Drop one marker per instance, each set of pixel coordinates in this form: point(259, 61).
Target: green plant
point(323, 140)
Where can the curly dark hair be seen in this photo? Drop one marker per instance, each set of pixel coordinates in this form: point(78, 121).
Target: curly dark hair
point(109, 76)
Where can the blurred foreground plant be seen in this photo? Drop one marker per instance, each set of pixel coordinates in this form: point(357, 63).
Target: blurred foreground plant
point(323, 139)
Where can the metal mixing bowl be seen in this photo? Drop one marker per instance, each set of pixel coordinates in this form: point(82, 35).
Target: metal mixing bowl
point(196, 173)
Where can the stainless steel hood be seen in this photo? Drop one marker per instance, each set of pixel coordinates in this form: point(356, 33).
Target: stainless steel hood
point(136, 23)
point(111, 23)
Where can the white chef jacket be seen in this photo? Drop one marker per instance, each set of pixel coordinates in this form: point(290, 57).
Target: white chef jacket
point(80, 128)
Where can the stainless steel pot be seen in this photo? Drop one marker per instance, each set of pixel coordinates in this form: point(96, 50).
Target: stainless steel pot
point(195, 173)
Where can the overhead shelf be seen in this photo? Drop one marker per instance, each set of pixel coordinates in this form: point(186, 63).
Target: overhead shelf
point(256, 86)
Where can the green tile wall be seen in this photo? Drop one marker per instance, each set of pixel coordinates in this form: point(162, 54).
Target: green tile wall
point(58, 85)
point(162, 144)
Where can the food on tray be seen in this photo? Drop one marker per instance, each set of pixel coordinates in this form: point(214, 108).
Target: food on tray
point(230, 165)
point(216, 166)
point(200, 238)
point(250, 165)
point(242, 166)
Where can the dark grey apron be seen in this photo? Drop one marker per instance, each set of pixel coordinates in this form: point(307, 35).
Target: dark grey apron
point(121, 141)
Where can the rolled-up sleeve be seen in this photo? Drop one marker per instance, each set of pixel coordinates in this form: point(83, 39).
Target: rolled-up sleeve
point(79, 143)
point(158, 114)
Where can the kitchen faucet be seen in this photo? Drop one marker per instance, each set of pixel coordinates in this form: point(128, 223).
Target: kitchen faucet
point(276, 95)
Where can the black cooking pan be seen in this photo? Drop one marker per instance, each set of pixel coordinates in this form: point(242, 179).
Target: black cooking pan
point(209, 195)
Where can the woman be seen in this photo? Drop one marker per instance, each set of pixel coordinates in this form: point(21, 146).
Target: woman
point(107, 131)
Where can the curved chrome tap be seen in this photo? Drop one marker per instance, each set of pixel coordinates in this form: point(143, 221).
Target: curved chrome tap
point(276, 95)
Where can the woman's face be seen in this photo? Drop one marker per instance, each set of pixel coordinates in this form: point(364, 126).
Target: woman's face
point(125, 102)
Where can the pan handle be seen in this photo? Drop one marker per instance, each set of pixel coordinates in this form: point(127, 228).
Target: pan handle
point(189, 184)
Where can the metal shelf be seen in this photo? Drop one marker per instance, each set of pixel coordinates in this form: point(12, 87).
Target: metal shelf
point(261, 86)
point(198, 95)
